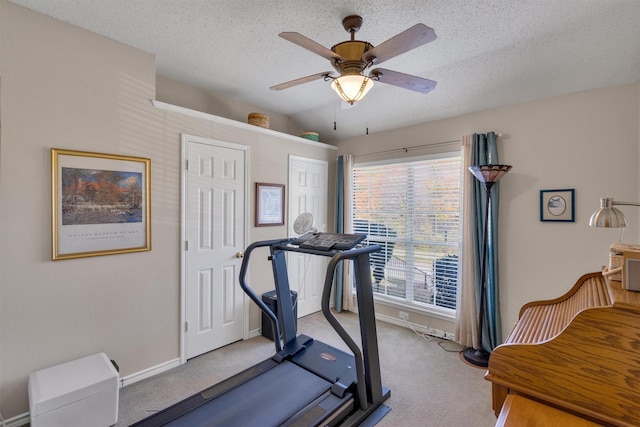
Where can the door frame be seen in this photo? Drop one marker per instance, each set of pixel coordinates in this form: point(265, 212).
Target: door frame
point(185, 140)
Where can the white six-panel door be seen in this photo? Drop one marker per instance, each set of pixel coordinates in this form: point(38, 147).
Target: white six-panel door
point(307, 193)
point(214, 229)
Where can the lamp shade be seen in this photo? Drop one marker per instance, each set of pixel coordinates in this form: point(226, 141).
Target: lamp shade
point(607, 215)
point(352, 87)
point(489, 173)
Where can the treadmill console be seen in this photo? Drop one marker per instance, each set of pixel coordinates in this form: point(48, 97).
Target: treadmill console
point(328, 241)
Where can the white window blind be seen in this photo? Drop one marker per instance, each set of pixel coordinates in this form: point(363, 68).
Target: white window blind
point(412, 209)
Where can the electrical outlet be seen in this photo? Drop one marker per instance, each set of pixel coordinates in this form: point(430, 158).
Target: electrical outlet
point(404, 315)
point(439, 333)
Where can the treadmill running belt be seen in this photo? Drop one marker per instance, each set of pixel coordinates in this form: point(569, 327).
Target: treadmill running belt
point(266, 400)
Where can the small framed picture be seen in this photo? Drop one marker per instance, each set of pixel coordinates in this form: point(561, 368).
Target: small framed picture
point(557, 205)
point(269, 204)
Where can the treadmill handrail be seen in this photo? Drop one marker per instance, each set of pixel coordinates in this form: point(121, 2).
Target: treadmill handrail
point(335, 323)
point(254, 297)
point(362, 371)
point(284, 244)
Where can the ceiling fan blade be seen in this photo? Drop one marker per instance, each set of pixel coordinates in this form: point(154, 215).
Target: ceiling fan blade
point(301, 81)
point(309, 44)
point(409, 39)
point(406, 81)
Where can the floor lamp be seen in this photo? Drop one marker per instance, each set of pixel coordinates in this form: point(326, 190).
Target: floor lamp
point(488, 175)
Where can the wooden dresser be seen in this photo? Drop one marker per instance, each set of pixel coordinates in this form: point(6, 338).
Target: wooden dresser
point(579, 353)
point(518, 411)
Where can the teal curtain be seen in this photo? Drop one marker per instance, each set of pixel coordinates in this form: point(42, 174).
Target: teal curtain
point(337, 279)
point(485, 152)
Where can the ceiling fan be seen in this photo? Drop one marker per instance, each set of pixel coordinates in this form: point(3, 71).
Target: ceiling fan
point(352, 58)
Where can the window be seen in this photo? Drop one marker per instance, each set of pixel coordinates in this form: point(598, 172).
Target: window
point(412, 209)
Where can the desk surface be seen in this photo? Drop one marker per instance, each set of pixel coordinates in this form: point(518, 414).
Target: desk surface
point(621, 297)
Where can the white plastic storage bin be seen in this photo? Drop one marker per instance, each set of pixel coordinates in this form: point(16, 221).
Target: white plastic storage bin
point(83, 392)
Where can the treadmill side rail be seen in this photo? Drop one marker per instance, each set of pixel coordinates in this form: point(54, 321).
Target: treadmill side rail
point(254, 297)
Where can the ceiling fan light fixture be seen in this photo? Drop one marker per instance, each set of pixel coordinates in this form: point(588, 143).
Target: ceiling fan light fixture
point(352, 87)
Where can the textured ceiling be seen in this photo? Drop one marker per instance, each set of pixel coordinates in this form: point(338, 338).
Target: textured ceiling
point(488, 53)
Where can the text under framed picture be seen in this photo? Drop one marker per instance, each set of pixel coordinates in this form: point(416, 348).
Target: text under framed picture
point(557, 205)
point(269, 204)
point(100, 204)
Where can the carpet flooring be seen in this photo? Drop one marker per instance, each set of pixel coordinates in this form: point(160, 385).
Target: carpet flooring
point(430, 383)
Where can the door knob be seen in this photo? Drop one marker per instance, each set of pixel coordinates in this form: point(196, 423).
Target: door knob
point(239, 254)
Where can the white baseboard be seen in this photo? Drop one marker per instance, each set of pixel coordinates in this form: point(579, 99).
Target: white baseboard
point(24, 419)
point(390, 319)
point(415, 327)
point(255, 333)
point(19, 420)
point(158, 369)
point(149, 372)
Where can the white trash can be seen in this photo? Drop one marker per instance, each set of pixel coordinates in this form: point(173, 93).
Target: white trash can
point(83, 392)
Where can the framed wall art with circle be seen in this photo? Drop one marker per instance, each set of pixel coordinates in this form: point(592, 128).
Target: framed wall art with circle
point(557, 205)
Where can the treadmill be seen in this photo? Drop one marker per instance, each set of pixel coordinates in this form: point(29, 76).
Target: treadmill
point(306, 382)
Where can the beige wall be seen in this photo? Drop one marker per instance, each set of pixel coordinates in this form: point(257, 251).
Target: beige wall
point(67, 88)
point(588, 141)
point(176, 93)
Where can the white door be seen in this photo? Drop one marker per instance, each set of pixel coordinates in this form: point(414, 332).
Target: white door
point(307, 193)
point(214, 229)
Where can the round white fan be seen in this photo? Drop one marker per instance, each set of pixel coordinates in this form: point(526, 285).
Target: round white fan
point(303, 223)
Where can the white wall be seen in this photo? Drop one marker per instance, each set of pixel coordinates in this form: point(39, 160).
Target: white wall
point(64, 87)
point(588, 141)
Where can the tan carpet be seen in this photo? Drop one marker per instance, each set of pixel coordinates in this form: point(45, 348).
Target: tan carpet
point(430, 384)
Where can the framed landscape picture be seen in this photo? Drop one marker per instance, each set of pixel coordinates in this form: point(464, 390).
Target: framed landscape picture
point(100, 204)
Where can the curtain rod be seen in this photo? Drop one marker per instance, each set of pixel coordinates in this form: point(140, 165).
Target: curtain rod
point(407, 149)
point(415, 147)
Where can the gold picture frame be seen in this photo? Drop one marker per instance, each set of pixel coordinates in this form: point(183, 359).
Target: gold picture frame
point(101, 204)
